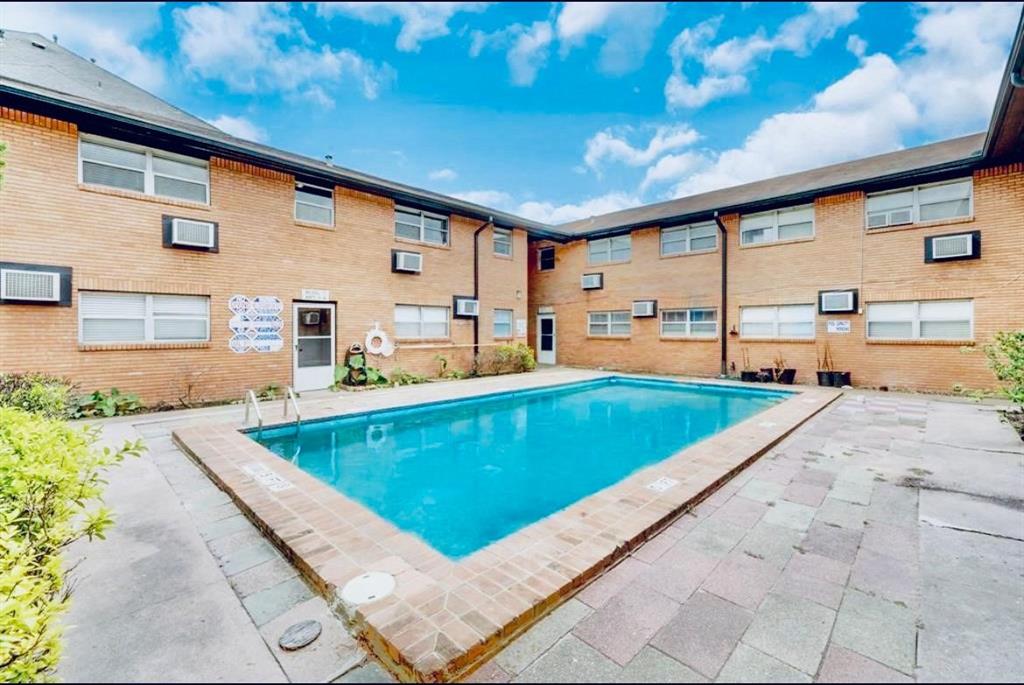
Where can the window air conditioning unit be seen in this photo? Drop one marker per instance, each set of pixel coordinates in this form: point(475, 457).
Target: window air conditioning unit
point(644, 308)
point(311, 318)
point(940, 248)
point(592, 281)
point(466, 307)
point(192, 233)
point(29, 286)
point(837, 301)
point(406, 262)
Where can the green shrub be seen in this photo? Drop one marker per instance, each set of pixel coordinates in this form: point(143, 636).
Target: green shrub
point(402, 377)
point(38, 393)
point(51, 486)
point(1006, 359)
point(355, 371)
point(101, 404)
point(515, 358)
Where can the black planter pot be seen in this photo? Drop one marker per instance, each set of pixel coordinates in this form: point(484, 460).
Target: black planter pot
point(840, 378)
point(787, 376)
point(748, 376)
point(825, 378)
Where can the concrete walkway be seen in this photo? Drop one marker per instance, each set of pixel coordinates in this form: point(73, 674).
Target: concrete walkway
point(881, 541)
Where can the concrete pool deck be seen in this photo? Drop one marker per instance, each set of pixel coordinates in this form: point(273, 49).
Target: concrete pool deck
point(445, 615)
point(186, 589)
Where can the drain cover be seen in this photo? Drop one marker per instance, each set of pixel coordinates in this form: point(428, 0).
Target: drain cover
point(300, 634)
point(368, 587)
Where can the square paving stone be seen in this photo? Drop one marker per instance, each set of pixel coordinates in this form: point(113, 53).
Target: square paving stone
point(813, 476)
point(817, 566)
point(270, 603)
point(262, 576)
point(832, 541)
point(570, 661)
point(618, 577)
point(843, 514)
point(748, 665)
point(885, 576)
point(817, 590)
point(741, 512)
point(842, 665)
point(678, 573)
point(539, 638)
point(774, 544)
point(369, 672)
point(327, 657)
point(895, 541)
point(852, 491)
point(651, 666)
point(762, 490)
point(791, 629)
point(245, 558)
point(621, 628)
point(227, 526)
point(713, 537)
point(703, 633)
point(490, 672)
point(790, 515)
point(805, 493)
point(742, 579)
point(878, 629)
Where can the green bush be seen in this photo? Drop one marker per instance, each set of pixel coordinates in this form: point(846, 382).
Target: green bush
point(516, 358)
point(1006, 359)
point(101, 404)
point(355, 371)
point(402, 377)
point(51, 486)
point(38, 393)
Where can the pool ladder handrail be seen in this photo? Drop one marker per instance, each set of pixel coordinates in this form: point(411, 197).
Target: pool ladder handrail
point(289, 396)
point(251, 401)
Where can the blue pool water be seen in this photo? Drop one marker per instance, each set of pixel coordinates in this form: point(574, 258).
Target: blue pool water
point(465, 473)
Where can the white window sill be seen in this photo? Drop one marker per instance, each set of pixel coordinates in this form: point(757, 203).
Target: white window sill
point(134, 195)
point(693, 253)
point(103, 347)
point(920, 341)
point(921, 224)
point(790, 241)
point(410, 241)
point(313, 224)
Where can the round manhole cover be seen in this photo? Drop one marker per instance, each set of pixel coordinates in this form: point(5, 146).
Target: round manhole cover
point(300, 634)
point(368, 587)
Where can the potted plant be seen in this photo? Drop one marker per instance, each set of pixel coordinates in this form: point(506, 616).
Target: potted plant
point(825, 367)
point(840, 378)
point(748, 374)
point(778, 373)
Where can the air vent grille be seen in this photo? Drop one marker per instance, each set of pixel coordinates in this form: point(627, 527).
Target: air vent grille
point(192, 233)
point(34, 286)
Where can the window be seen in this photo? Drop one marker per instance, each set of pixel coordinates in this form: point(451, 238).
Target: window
point(689, 323)
point(412, 322)
point(934, 320)
point(617, 249)
point(609, 323)
point(546, 259)
point(115, 164)
point(947, 200)
point(784, 321)
point(425, 228)
point(314, 204)
point(502, 323)
point(139, 318)
point(780, 224)
point(683, 239)
point(503, 242)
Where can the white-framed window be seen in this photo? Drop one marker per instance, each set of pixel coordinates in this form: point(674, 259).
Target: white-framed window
point(932, 202)
point(789, 223)
point(314, 204)
point(927, 320)
point(503, 242)
point(617, 322)
point(683, 239)
point(421, 226)
point(105, 317)
point(112, 163)
point(689, 323)
point(615, 249)
point(546, 259)
point(782, 321)
point(502, 323)
point(413, 322)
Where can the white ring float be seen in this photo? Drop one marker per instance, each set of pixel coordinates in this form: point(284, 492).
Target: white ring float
point(377, 342)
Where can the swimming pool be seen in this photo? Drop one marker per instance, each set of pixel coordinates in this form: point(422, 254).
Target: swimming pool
point(462, 474)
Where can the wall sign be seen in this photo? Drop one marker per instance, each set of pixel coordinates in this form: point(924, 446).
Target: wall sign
point(839, 326)
point(316, 295)
point(256, 323)
point(520, 328)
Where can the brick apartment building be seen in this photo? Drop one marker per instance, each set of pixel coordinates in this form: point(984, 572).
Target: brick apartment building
point(144, 249)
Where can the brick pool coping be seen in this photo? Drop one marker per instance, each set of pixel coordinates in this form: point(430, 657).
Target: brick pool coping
point(445, 616)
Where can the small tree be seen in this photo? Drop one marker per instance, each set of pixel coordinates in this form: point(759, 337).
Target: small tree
point(1006, 359)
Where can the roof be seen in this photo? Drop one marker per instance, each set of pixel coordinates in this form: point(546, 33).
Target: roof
point(1005, 137)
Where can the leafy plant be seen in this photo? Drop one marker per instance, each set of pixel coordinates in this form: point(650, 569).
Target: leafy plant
point(1006, 359)
point(100, 404)
point(402, 377)
point(51, 486)
point(39, 393)
point(442, 365)
point(355, 371)
point(515, 358)
point(825, 361)
point(268, 392)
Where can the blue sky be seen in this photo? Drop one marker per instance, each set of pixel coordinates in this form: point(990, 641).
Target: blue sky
point(559, 110)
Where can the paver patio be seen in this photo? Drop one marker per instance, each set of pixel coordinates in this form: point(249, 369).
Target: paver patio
point(880, 542)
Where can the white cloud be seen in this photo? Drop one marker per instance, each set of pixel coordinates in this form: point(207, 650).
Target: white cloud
point(256, 48)
point(672, 168)
point(421, 21)
point(109, 32)
point(606, 145)
point(443, 175)
point(551, 213)
point(240, 127)
point(724, 66)
point(527, 48)
point(627, 29)
point(496, 199)
point(857, 45)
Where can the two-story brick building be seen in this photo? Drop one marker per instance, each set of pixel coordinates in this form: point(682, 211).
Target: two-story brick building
point(142, 248)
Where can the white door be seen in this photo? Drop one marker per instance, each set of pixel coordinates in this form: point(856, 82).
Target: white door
point(314, 346)
point(545, 338)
